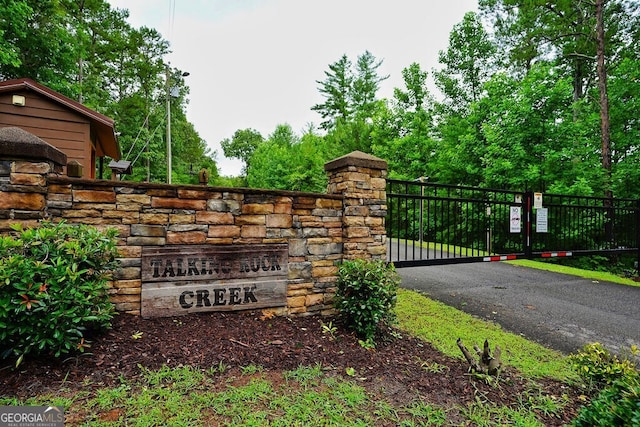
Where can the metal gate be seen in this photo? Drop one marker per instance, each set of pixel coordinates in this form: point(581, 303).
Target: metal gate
point(429, 224)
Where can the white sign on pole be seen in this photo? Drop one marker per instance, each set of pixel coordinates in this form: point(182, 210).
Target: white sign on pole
point(514, 219)
point(542, 216)
point(537, 200)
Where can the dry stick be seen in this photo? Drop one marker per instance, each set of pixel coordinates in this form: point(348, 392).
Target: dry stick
point(239, 342)
point(467, 355)
point(486, 363)
point(496, 362)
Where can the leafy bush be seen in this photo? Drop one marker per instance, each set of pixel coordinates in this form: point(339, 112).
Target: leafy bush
point(366, 295)
point(53, 288)
point(599, 368)
point(616, 405)
point(618, 402)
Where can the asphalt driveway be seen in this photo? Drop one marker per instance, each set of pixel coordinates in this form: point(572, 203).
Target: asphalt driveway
point(559, 311)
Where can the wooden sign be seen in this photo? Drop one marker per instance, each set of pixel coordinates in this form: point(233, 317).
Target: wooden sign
point(185, 279)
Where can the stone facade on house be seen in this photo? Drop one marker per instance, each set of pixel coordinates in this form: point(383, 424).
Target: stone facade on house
point(320, 230)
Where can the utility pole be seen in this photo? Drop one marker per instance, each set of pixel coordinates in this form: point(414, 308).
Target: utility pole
point(168, 88)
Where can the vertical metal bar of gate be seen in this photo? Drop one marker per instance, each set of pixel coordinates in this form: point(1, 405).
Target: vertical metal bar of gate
point(527, 205)
point(638, 236)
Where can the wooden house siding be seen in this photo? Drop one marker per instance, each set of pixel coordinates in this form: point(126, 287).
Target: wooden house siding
point(74, 129)
point(64, 129)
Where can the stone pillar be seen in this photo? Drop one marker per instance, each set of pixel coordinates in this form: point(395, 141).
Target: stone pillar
point(361, 179)
point(25, 162)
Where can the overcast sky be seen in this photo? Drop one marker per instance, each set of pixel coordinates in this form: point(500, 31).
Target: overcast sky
point(255, 63)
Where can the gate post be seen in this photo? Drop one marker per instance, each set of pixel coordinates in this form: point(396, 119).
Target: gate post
point(638, 237)
point(528, 226)
point(361, 179)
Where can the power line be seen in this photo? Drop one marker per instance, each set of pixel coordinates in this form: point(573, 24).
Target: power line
point(150, 137)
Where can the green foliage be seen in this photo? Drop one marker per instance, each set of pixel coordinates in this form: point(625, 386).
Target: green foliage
point(89, 52)
point(53, 288)
point(467, 62)
point(366, 295)
point(487, 414)
point(618, 402)
point(599, 368)
point(47, 54)
point(349, 91)
point(286, 162)
point(519, 107)
point(617, 265)
point(12, 30)
point(402, 132)
point(616, 405)
point(242, 145)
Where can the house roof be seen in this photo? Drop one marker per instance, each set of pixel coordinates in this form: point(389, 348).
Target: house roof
point(106, 141)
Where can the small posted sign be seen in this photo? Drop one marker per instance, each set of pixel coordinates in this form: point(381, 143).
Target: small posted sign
point(537, 200)
point(542, 217)
point(514, 219)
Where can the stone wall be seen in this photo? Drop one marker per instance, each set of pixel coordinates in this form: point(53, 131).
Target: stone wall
point(320, 230)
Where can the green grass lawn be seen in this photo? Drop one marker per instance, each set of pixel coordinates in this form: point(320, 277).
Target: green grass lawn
point(599, 276)
point(442, 325)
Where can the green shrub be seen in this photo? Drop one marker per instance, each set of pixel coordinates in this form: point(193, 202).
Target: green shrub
point(616, 405)
point(618, 401)
point(366, 295)
point(53, 288)
point(599, 368)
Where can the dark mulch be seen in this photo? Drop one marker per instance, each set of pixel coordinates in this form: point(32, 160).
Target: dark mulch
point(401, 370)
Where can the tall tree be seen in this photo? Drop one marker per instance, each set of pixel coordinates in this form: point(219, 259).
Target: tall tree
point(350, 92)
point(403, 133)
point(99, 34)
point(41, 47)
point(336, 89)
point(366, 84)
point(12, 32)
point(416, 94)
point(468, 63)
point(242, 146)
point(537, 30)
point(624, 89)
point(588, 38)
point(531, 138)
point(285, 161)
point(561, 31)
point(605, 130)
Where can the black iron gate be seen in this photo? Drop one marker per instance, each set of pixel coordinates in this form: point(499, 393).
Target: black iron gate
point(430, 224)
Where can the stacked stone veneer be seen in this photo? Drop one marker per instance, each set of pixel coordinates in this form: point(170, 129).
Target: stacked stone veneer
point(320, 229)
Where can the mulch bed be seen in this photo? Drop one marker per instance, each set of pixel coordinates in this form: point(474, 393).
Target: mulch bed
point(400, 369)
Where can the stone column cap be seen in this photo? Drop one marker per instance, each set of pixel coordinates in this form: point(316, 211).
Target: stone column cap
point(17, 143)
point(356, 158)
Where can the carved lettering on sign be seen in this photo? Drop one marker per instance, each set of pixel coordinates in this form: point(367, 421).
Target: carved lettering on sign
point(212, 266)
point(184, 279)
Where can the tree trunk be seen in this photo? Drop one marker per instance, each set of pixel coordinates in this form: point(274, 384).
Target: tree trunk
point(604, 98)
point(605, 131)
